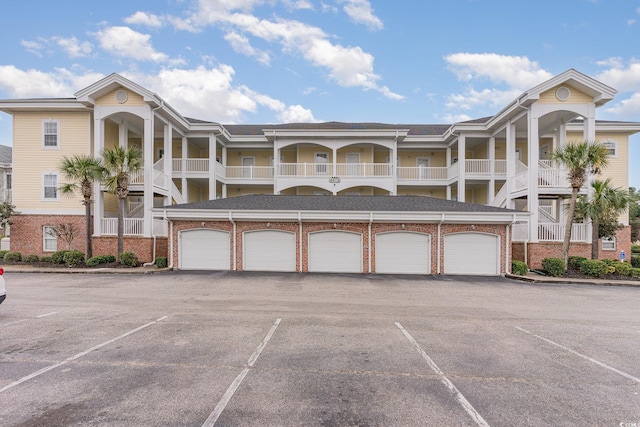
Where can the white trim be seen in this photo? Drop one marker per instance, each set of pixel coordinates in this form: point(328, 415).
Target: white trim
point(45, 122)
point(42, 188)
point(47, 237)
point(611, 240)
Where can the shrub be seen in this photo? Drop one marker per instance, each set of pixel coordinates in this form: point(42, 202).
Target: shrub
point(12, 257)
point(635, 248)
point(129, 259)
point(553, 266)
point(635, 272)
point(635, 261)
point(574, 262)
point(100, 259)
point(2, 254)
point(31, 258)
point(46, 259)
point(623, 269)
point(520, 268)
point(58, 257)
point(594, 268)
point(73, 258)
point(161, 262)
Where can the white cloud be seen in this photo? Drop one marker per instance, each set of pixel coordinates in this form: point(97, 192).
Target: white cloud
point(241, 44)
point(73, 47)
point(518, 72)
point(297, 114)
point(620, 76)
point(298, 4)
point(630, 22)
point(126, 43)
point(453, 118)
point(472, 98)
point(60, 83)
point(627, 108)
point(361, 12)
point(33, 47)
point(348, 66)
point(146, 19)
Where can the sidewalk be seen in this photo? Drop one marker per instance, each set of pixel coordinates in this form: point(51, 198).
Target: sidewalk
point(31, 269)
point(538, 278)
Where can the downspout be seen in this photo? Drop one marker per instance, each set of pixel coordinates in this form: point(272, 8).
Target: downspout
point(171, 245)
point(369, 245)
point(234, 240)
point(153, 262)
point(439, 242)
point(507, 248)
point(300, 252)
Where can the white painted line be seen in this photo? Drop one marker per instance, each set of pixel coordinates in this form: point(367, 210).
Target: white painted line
point(444, 380)
point(611, 368)
point(217, 411)
point(77, 356)
point(45, 315)
point(16, 321)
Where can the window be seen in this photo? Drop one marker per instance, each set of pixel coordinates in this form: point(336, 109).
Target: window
point(50, 187)
point(49, 239)
point(51, 133)
point(608, 243)
point(8, 183)
point(611, 147)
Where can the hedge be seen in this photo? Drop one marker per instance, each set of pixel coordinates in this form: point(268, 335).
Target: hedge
point(595, 268)
point(553, 266)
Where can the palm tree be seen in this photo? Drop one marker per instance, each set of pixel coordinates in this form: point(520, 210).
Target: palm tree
point(83, 172)
point(580, 159)
point(119, 164)
point(604, 208)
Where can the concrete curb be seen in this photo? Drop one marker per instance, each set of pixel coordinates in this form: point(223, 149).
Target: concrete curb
point(531, 278)
point(133, 270)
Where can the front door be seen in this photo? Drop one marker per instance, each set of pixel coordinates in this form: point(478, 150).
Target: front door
point(321, 160)
point(247, 166)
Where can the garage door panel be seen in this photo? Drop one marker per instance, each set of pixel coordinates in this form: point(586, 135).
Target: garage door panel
point(204, 250)
point(403, 252)
point(472, 253)
point(269, 250)
point(335, 252)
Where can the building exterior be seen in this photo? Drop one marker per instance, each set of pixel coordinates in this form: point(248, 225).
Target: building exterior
point(502, 161)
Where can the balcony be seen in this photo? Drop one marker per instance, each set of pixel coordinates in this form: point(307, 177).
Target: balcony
point(550, 232)
point(133, 227)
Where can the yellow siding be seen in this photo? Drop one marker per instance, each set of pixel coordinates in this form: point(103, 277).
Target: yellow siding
point(110, 99)
point(31, 160)
point(307, 154)
point(111, 134)
point(479, 196)
point(366, 155)
point(241, 191)
point(289, 156)
point(110, 205)
point(408, 158)
point(197, 193)
point(381, 156)
point(262, 158)
point(576, 97)
point(438, 193)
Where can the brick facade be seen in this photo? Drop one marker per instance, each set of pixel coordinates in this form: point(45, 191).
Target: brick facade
point(302, 263)
point(27, 234)
point(536, 252)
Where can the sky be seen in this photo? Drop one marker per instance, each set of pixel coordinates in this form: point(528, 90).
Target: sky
point(277, 61)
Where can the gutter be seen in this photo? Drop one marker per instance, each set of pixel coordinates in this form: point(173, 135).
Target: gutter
point(438, 268)
point(234, 240)
point(369, 245)
point(300, 252)
point(153, 262)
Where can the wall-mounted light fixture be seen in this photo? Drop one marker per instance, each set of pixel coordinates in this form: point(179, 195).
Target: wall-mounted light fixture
point(268, 225)
point(202, 224)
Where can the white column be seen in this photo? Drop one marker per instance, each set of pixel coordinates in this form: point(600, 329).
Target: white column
point(98, 205)
point(213, 187)
point(448, 189)
point(510, 157)
point(123, 133)
point(393, 160)
point(167, 163)
point(562, 135)
point(183, 169)
point(532, 190)
point(276, 166)
point(462, 147)
point(491, 191)
point(147, 152)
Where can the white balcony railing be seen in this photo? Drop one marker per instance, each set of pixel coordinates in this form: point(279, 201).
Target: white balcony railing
point(364, 170)
point(190, 165)
point(549, 232)
point(132, 226)
point(249, 172)
point(422, 174)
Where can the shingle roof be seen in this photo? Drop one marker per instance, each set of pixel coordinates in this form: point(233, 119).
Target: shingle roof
point(414, 129)
point(6, 154)
point(269, 202)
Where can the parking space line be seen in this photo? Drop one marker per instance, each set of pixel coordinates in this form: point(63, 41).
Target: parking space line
point(444, 380)
point(46, 315)
point(217, 411)
point(77, 356)
point(603, 365)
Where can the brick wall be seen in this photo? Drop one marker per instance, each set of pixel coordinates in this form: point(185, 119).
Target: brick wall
point(27, 238)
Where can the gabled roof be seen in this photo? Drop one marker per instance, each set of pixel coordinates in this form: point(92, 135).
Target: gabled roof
point(112, 82)
point(6, 154)
point(270, 202)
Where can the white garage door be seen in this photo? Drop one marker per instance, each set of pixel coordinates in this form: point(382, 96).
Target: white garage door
point(472, 253)
point(269, 250)
point(403, 252)
point(204, 250)
point(335, 252)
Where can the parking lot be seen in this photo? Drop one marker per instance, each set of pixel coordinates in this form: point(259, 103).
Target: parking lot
point(246, 349)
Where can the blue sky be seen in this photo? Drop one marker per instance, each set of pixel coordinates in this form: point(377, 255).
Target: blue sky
point(273, 61)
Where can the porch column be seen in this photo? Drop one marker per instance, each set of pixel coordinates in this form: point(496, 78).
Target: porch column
point(393, 165)
point(183, 170)
point(167, 162)
point(98, 205)
point(562, 135)
point(510, 156)
point(147, 154)
point(123, 132)
point(448, 189)
point(276, 165)
point(213, 187)
point(462, 147)
point(532, 190)
point(491, 191)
